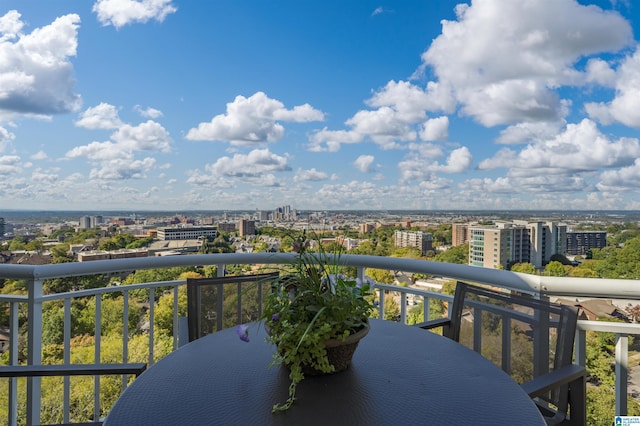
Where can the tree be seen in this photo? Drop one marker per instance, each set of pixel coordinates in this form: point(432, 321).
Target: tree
point(380, 275)
point(35, 245)
point(457, 254)
point(391, 309)
point(164, 311)
point(555, 269)
point(621, 263)
point(415, 315)
point(60, 253)
point(525, 268)
point(18, 243)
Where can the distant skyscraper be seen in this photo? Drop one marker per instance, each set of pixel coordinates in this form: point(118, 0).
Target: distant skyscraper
point(85, 222)
point(2, 230)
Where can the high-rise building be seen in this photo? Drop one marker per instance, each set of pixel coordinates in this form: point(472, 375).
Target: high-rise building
point(580, 242)
point(2, 228)
point(418, 239)
point(246, 227)
point(490, 246)
point(459, 234)
point(504, 244)
point(546, 239)
point(85, 222)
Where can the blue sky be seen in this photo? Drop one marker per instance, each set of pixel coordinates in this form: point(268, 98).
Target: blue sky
point(227, 104)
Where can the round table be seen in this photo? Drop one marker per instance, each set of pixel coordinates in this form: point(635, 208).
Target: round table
point(399, 375)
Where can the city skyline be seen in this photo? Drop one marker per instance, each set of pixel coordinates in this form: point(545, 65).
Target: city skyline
point(174, 105)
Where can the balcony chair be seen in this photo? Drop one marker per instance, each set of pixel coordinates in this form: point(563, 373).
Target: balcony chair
point(206, 311)
point(530, 339)
point(57, 370)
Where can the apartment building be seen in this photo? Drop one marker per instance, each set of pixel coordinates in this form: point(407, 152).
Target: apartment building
point(459, 234)
point(504, 244)
point(246, 227)
point(418, 239)
point(490, 246)
point(580, 242)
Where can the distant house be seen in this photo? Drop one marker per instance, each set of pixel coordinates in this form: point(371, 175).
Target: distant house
point(25, 258)
point(594, 309)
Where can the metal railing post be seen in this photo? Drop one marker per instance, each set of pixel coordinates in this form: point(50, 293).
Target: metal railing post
point(581, 347)
point(34, 348)
point(622, 361)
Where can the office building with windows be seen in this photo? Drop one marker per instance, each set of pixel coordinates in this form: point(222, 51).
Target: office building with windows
point(187, 232)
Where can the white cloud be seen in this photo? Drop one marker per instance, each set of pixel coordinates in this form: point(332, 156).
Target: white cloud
point(40, 155)
point(382, 125)
point(102, 116)
point(580, 148)
point(252, 120)
point(123, 12)
point(435, 129)
point(10, 165)
point(600, 72)
point(125, 141)
point(36, 76)
point(364, 163)
point(10, 25)
point(504, 59)
point(624, 178)
point(122, 169)
point(6, 137)
point(148, 136)
point(115, 159)
point(258, 162)
point(148, 112)
point(43, 177)
point(399, 106)
point(330, 140)
point(416, 167)
point(410, 101)
point(530, 132)
point(312, 175)
point(625, 107)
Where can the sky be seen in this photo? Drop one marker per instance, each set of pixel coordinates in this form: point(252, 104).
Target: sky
point(320, 105)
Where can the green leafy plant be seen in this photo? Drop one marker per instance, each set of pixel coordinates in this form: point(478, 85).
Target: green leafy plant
point(310, 304)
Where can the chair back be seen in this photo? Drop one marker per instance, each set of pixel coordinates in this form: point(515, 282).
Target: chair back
point(526, 337)
point(222, 302)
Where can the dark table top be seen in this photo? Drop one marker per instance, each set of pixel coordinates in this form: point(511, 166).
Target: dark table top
point(399, 375)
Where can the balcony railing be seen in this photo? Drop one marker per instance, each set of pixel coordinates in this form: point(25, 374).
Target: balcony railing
point(538, 286)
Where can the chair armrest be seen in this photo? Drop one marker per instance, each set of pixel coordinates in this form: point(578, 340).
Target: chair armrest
point(71, 370)
point(440, 322)
point(547, 382)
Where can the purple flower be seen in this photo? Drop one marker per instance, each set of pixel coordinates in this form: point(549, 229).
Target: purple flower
point(243, 332)
point(275, 317)
point(358, 283)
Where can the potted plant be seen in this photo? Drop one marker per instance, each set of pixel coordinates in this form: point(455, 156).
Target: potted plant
point(314, 315)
